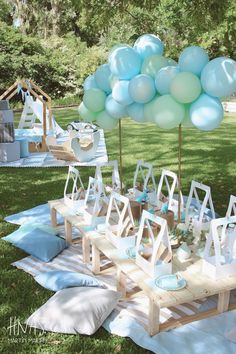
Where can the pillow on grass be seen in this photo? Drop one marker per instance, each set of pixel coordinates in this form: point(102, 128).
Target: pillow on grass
point(41, 244)
point(26, 228)
point(75, 310)
point(61, 279)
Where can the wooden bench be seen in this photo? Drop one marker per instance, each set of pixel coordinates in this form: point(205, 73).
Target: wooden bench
point(198, 287)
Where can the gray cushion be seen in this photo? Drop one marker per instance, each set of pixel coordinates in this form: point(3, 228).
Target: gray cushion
point(75, 310)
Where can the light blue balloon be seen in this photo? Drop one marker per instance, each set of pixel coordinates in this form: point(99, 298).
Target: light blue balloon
point(193, 59)
point(206, 112)
point(218, 78)
point(164, 77)
point(149, 109)
point(115, 109)
point(90, 83)
point(125, 63)
point(103, 77)
point(136, 112)
point(142, 88)
point(120, 93)
point(148, 44)
point(116, 46)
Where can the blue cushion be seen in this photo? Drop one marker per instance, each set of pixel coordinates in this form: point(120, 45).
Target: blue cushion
point(60, 279)
point(25, 229)
point(41, 244)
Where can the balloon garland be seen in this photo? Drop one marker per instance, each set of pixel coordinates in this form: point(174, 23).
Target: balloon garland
point(140, 82)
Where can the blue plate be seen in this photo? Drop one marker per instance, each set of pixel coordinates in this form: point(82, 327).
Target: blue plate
point(181, 283)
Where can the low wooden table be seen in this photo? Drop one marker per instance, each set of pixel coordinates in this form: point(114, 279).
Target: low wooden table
point(198, 287)
point(73, 220)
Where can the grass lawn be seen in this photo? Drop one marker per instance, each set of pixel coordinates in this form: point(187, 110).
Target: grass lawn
point(207, 157)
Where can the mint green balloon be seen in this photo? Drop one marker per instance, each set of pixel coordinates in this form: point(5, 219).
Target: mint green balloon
point(94, 99)
point(105, 121)
point(168, 113)
point(185, 87)
point(86, 114)
point(153, 64)
point(149, 109)
point(187, 122)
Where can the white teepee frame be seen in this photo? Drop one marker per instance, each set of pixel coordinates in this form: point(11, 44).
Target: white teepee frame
point(198, 224)
point(215, 266)
point(116, 184)
point(161, 247)
point(232, 206)
point(171, 188)
point(71, 198)
point(96, 192)
point(117, 233)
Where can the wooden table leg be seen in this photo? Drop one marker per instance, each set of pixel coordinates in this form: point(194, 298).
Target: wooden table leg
point(68, 231)
point(121, 282)
point(223, 301)
point(153, 318)
point(95, 259)
point(86, 249)
point(53, 213)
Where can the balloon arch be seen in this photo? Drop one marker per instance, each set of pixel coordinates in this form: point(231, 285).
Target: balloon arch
point(140, 82)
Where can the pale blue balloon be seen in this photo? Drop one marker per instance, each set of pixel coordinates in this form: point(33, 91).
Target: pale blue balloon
point(164, 77)
point(103, 77)
point(142, 88)
point(90, 83)
point(206, 112)
point(125, 63)
point(193, 59)
point(120, 93)
point(115, 109)
point(148, 44)
point(136, 112)
point(218, 78)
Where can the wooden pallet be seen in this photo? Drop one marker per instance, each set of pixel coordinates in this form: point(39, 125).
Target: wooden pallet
point(198, 287)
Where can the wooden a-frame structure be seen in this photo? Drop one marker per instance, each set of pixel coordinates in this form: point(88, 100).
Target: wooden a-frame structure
point(38, 93)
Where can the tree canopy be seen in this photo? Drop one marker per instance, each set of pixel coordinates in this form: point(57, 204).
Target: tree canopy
point(59, 42)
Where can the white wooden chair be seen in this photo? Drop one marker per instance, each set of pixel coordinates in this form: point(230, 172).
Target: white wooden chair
point(200, 221)
point(154, 259)
point(115, 177)
point(219, 259)
point(169, 180)
point(74, 198)
point(119, 222)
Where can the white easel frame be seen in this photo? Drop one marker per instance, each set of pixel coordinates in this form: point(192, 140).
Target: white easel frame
point(125, 217)
point(116, 184)
point(198, 224)
point(151, 267)
point(97, 191)
point(212, 265)
point(71, 199)
point(172, 203)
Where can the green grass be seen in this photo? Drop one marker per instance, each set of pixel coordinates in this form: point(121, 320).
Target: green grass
point(207, 157)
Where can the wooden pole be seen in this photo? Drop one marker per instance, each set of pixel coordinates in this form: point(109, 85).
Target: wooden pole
point(120, 152)
point(179, 173)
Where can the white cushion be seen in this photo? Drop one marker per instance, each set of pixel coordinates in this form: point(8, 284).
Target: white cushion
point(75, 310)
point(231, 335)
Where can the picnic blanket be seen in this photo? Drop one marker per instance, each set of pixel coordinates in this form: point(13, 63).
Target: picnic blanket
point(46, 159)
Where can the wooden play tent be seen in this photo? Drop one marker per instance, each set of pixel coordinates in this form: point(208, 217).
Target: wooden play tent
point(39, 94)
